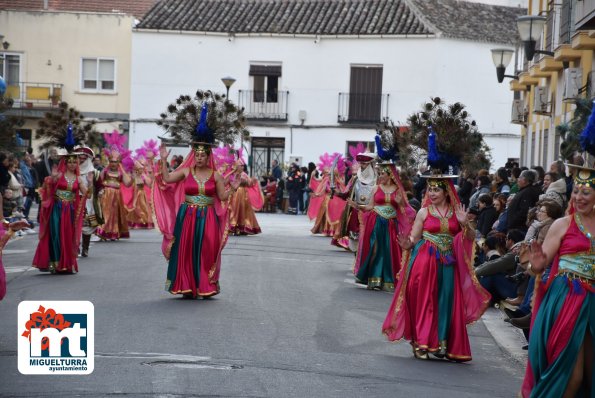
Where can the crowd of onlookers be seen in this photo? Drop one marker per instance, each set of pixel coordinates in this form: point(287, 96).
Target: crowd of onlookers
point(21, 175)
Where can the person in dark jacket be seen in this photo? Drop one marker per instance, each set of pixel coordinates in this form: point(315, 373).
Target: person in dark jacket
point(466, 187)
point(276, 172)
point(487, 214)
point(294, 184)
point(492, 274)
point(525, 199)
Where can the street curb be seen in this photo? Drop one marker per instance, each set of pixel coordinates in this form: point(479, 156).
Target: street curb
point(506, 336)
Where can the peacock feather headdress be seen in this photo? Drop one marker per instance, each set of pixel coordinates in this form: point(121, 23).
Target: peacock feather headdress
point(206, 118)
point(66, 129)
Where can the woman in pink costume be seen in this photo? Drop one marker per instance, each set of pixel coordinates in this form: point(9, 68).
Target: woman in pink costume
point(324, 205)
point(189, 210)
point(136, 198)
point(115, 214)
point(63, 198)
point(437, 293)
point(244, 202)
point(561, 350)
point(389, 215)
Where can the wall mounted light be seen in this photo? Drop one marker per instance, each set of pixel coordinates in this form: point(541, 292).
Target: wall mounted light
point(5, 44)
point(501, 58)
point(530, 29)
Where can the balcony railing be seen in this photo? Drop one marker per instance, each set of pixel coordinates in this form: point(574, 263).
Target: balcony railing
point(264, 105)
point(34, 95)
point(362, 108)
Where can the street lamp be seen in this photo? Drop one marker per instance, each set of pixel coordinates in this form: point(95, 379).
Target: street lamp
point(228, 81)
point(501, 58)
point(530, 28)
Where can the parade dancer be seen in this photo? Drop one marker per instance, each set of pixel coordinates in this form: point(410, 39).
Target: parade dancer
point(325, 206)
point(7, 230)
point(437, 293)
point(140, 213)
point(115, 214)
point(93, 217)
point(63, 198)
point(188, 201)
point(561, 350)
point(244, 202)
point(358, 193)
point(387, 216)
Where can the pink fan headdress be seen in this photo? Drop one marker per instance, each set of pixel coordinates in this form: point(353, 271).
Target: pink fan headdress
point(151, 148)
point(115, 144)
point(355, 150)
point(224, 157)
point(326, 162)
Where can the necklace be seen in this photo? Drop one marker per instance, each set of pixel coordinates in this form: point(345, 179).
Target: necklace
point(70, 181)
point(446, 213)
point(581, 227)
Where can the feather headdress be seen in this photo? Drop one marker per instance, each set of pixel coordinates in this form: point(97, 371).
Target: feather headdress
point(326, 162)
point(354, 151)
point(205, 118)
point(587, 138)
point(65, 129)
point(151, 148)
point(386, 146)
point(224, 157)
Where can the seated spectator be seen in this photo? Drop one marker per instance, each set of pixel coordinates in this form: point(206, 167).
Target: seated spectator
point(492, 274)
point(525, 199)
point(270, 194)
point(555, 189)
point(487, 215)
point(501, 179)
point(483, 186)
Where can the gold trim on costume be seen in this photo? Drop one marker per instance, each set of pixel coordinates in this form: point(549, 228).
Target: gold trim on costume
point(199, 200)
point(66, 196)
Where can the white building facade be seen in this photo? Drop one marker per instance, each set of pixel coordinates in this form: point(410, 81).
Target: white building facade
point(309, 93)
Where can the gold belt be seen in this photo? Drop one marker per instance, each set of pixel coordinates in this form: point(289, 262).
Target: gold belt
point(67, 196)
point(199, 200)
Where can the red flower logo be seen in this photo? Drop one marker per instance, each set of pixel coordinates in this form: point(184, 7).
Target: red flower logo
point(43, 319)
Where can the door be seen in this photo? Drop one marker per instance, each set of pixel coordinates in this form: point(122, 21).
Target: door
point(264, 151)
point(365, 94)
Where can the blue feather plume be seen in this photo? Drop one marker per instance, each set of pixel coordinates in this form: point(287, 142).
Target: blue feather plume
point(439, 160)
point(388, 150)
point(203, 133)
point(69, 141)
point(587, 138)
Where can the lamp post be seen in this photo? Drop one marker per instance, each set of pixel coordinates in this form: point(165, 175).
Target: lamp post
point(228, 82)
point(530, 28)
point(501, 58)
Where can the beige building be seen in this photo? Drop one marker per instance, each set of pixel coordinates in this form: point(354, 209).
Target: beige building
point(560, 72)
point(81, 57)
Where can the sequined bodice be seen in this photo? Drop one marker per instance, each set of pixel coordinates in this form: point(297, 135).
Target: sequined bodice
point(385, 199)
point(436, 224)
point(66, 185)
point(194, 186)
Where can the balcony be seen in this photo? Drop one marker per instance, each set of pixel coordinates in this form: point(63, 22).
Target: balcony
point(264, 105)
point(362, 108)
point(34, 95)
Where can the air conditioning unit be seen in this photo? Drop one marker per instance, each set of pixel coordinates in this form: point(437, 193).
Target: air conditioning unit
point(540, 101)
point(573, 81)
point(518, 112)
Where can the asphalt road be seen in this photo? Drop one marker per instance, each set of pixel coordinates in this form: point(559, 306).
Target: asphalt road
point(289, 322)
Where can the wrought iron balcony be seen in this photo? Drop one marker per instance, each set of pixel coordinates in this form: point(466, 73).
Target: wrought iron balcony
point(264, 105)
point(362, 108)
point(34, 95)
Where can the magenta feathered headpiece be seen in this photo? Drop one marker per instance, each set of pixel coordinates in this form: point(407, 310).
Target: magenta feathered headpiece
point(224, 157)
point(151, 147)
point(354, 150)
point(326, 162)
point(115, 148)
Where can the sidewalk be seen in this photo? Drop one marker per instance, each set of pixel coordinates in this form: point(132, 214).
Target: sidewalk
point(508, 338)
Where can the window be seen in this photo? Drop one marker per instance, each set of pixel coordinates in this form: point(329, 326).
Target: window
point(10, 70)
point(98, 74)
point(265, 82)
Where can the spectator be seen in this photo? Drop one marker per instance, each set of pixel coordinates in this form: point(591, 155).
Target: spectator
point(500, 206)
point(483, 186)
point(30, 182)
point(514, 176)
point(540, 175)
point(502, 183)
point(97, 163)
point(492, 274)
point(487, 214)
point(4, 176)
point(413, 202)
point(526, 198)
point(466, 187)
point(555, 189)
point(277, 172)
